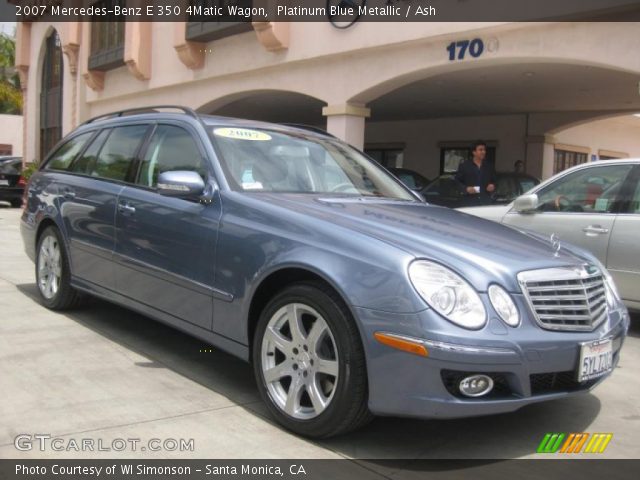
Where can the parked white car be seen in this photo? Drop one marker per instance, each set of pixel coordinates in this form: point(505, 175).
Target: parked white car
point(594, 205)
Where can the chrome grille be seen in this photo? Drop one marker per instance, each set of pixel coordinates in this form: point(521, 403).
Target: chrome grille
point(566, 298)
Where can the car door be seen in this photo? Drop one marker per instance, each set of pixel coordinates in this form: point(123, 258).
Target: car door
point(623, 257)
point(579, 207)
point(166, 246)
point(88, 194)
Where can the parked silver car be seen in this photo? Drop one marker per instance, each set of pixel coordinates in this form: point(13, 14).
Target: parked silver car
point(593, 205)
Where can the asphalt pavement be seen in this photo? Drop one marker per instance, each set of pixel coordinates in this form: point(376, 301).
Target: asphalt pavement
point(102, 373)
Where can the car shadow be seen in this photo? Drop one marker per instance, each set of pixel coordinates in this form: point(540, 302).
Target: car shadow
point(634, 327)
point(505, 436)
point(164, 347)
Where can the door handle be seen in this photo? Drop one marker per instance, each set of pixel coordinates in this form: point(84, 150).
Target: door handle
point(126, 209)
point(593, 230)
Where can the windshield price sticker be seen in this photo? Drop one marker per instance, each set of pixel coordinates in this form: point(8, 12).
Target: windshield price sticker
point(242, 134)
point(596, 359)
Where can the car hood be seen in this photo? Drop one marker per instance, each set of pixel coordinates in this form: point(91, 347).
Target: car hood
point(479, 249)
point(490, 212)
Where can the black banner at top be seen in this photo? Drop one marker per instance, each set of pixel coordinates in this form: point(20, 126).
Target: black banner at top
point(342, 13)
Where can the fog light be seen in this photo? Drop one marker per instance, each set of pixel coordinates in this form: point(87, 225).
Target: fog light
point(476, 385)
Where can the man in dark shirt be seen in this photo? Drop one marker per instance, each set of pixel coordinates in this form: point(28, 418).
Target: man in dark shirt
point(477, 175)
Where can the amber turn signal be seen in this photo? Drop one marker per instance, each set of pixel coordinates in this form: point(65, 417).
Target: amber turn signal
point(401, 343)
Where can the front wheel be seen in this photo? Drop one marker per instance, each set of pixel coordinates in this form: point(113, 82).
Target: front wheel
point(309, 362)
point(53, 275)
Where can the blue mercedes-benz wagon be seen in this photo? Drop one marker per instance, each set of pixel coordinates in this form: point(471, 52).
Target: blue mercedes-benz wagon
point(292, 250)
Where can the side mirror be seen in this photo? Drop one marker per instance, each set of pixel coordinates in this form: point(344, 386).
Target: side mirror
point(181, 184)
point(526, 203)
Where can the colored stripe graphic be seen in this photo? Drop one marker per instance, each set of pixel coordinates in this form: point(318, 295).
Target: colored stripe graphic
point(574, 443)
point(598, 442)
point(551, 443)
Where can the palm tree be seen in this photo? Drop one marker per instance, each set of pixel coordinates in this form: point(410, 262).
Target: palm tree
point(10, 94)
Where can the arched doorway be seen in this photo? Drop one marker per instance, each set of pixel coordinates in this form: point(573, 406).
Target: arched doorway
point(277, 106)
point(51, 95)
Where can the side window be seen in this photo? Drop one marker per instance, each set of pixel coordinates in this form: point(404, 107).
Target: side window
point(67, 152)
point(88, 158)
point(170, 148)
point(506, 188)
point(118, 153)
point(634, 203)
point(589, 190)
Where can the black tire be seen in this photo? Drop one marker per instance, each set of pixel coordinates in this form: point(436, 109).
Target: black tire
point(65, 296)
point(346, 405)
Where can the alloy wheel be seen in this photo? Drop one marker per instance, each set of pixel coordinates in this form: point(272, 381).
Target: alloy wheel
point(49, 267)
point(300, 363)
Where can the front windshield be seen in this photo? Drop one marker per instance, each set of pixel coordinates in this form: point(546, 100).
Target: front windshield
point(256, 160)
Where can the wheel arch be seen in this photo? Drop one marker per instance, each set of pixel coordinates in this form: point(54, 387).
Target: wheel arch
point(43, 225)
point(277, 281)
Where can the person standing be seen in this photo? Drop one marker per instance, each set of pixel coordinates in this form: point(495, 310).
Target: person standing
point(477, 176)
point(518, 166)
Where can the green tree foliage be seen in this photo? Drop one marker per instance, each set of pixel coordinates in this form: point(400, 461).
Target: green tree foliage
point(10, 94)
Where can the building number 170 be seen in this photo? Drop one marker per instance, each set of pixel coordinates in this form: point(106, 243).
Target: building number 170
point(475, 48)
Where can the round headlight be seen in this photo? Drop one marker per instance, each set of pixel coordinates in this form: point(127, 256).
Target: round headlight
point(448, 294)
point(504, 306)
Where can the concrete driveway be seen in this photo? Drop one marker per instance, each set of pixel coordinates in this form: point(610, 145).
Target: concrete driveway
point(105, 373)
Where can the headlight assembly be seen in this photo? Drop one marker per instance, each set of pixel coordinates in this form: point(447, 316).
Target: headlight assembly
point(504, 306)
point(448, 294)
point(610, 289)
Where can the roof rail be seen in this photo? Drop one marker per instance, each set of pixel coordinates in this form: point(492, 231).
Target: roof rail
point(142, 110)
point(310, 128)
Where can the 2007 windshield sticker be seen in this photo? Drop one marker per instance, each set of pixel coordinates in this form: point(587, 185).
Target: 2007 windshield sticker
point(242, 134)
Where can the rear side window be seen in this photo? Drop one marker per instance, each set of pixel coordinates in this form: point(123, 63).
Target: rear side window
point(11, 167)
point(118, 153)
point(506, 187)
point(171, 148)
point(635, 201)
point(88, 159)
point(67, 152)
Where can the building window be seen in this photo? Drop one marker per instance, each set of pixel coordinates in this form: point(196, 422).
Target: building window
point(107, 40)
point(389, 157)
point(565, 158)
point(6, 149)
point(452, 156)
point(611, 155)
point(51, 95)
point(207, 30)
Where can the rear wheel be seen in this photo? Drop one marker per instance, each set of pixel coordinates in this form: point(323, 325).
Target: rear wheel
point(52, 272)
point(309, 362)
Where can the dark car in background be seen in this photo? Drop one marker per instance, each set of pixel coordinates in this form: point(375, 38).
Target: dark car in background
point(411, 179)
point(11, 181)
point(447, 192)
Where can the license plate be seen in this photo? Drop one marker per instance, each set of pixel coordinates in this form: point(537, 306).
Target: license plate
point(4, 182)
point(596, 359)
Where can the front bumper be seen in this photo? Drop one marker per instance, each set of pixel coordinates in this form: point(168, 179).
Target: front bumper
point(528, 364)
